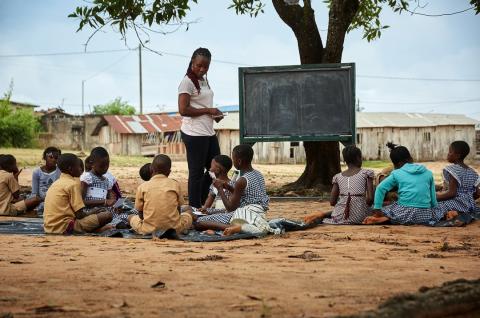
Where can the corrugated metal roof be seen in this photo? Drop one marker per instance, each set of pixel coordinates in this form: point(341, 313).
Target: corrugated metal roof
point(370, 120)
point(142, 124)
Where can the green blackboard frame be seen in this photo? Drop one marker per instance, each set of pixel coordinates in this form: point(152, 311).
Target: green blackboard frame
point(345, 139)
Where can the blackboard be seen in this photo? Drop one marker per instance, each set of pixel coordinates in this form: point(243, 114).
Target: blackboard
point(299, 102)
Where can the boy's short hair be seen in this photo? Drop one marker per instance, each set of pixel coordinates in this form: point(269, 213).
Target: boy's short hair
point(244, 152)
point(161, 163)
point(49, 150)
point(67, 161)
point(224, 161)
point(145, 172)
point(351, 154)
point(461, 148)
point(7, 161)
point(98, 153)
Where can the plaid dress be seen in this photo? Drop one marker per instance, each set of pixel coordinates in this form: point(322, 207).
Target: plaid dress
point(218, 213)
point(467, 180)
point(98, 188)
point(351, 207)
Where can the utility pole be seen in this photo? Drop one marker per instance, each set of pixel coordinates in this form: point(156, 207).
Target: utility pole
point(140, 75)
point(83, 97)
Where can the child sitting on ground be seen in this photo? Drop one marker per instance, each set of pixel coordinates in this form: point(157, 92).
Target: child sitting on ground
point(145, 173)
point(214, 207)
point(248, 201)
point(64, 204)
point(10, 201)
point(460, 183)
point(43, 177)
point(354, 187)
point(113, 181)
point(96, 188)
point(158, 202)
point(416, 192)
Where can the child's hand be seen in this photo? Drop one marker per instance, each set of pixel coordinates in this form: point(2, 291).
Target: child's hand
point(217, 183)
point(203, 210)
point(17, 173)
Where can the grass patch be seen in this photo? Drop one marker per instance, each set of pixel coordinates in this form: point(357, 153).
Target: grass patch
point(27, 157)
point(376, 164)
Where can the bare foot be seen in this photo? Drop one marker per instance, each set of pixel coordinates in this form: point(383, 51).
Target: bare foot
point(310, 218)
point(371, 220)
point(209, 232)
point(451, 215)
point(232, 230)
point(104, 228)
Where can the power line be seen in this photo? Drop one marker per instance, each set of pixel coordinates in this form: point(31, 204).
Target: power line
point(439, 15)
point(420, 78)
point(422, 103)
point(63, 53)
point(106, 68)
point(240, 64)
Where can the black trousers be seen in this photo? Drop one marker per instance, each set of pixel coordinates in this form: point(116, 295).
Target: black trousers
point(200, 152)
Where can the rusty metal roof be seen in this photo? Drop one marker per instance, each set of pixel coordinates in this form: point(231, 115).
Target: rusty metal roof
point(143, 124)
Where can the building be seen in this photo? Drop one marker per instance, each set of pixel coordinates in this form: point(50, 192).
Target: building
point(67, 131)
point(427, 136)
point(21, 106)
point(140, 135)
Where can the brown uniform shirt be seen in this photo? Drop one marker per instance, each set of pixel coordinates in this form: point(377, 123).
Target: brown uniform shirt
point(64, 198)
point(159, 199)
point(8, 186)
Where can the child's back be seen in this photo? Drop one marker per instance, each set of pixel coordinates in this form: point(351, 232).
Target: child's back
point(159, 199)
point(352, 207)
point(255, 192)
point(415, 184)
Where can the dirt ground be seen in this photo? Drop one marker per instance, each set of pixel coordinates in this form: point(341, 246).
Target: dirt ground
point(323, 272)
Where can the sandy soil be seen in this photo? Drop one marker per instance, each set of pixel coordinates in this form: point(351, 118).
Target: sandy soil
point(322, 272)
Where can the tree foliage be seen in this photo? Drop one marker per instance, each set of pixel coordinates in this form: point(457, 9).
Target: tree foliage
point(115, 107)
point(18, 128)
point(123, 15)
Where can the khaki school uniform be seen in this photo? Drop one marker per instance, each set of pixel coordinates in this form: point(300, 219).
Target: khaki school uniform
point(8, 186)
point(64, 198)
point(159, 199)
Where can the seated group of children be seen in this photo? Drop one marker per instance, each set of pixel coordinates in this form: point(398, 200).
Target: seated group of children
point(417, 203)
point(240, 205)
point(75, 201)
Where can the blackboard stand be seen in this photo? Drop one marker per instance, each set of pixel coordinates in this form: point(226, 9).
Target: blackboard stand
point(314, 102)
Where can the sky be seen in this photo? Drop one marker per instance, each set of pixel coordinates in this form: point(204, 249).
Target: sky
point(426, 50)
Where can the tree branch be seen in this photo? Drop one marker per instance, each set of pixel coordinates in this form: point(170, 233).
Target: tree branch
point(341, 15)
point(302, 22)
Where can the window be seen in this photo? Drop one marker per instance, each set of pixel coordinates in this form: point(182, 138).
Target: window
point(359, 138)
point(294, 144)
point(426, 136)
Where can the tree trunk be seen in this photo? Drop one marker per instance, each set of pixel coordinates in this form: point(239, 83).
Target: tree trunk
point(322, 158)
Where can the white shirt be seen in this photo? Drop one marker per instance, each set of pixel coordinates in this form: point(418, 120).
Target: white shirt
point(200, 125)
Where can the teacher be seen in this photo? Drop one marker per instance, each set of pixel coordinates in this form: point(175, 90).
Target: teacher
point(195, 104)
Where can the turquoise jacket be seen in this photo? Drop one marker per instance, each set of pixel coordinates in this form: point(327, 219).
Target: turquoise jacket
point(416, 187)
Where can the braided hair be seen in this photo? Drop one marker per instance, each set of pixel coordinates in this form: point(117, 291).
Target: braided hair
point(198, 52)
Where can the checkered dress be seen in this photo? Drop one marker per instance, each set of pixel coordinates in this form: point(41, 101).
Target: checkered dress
point(467, 180)
point(255, 191)
point(98, 188)
point(407, 215)
point(218, 215)
point(358, 209)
